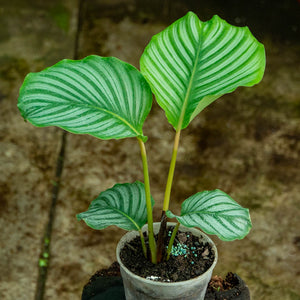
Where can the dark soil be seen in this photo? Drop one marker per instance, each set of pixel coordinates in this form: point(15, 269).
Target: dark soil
point(189, 258)
point(232, 287)
point(217, 283)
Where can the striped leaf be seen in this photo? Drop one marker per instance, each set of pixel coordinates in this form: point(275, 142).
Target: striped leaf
point(191, 63)
point(123, 205)
point(100, 96)
point(215, 213)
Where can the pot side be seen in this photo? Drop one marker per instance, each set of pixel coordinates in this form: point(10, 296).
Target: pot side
point(137, 287)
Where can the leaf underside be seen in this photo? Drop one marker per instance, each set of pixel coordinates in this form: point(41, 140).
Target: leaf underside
point(123, 205)
point(215, 213)
point(100, 96)
point(191, 63)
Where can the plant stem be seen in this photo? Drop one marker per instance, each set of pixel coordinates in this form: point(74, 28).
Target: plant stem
point(163, 223)
point(171, 242)
point(171, 171)
point(143, 243)
point(152, 244)
point(160, 253)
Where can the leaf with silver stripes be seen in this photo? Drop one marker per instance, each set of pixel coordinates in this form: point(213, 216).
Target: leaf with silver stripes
point(101, 96)
point(215, 213)
point(123, 205)
point(192, 63)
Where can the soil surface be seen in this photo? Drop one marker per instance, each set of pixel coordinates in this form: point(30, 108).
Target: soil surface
point(189, 258)
point(231, 287)
point(217, 283)
point(247, 144)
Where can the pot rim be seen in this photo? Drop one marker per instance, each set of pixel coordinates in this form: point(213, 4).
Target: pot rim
point(196, 231)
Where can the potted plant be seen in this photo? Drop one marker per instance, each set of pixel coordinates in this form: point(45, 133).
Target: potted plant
point(187, 66)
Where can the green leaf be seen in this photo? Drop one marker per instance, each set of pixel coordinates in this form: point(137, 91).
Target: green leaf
point(215, 213)
point(100, 96)
point(191, 63)
point(123, 205)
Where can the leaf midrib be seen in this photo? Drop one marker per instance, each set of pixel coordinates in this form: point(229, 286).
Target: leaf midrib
point(229, 219)
point(106, 111)
point(187, 96)
point(205, 212)
point(122, 213)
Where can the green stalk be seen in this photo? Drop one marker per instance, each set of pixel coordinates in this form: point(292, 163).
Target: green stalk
point(177, 136)
point(171, 242)
point(152, 244)
point(163, 223)
point(171, 171)
point(143, 243)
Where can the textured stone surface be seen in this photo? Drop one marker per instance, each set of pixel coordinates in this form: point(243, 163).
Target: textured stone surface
point(246, 143)
point(31, 38)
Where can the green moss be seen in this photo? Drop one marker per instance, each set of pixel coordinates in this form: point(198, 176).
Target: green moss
point(43, 263)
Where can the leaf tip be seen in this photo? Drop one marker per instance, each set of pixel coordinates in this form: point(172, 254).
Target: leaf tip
point(191, 14)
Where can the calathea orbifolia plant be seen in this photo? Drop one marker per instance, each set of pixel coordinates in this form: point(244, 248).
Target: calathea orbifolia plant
point(187, 66)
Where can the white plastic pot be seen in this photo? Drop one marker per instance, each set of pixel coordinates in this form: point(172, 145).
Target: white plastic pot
point(139, 288)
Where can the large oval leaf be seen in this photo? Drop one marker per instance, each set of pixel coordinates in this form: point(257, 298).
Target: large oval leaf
point(100, 96)
point(192, 63)
point(123, 205)
point(215, 213)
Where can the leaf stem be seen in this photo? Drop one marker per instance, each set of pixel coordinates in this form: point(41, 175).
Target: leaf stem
point(171, 242)
point(152, 244)
point(162, 233)
point(143, 243)
point(171, 171)
point(163, 223)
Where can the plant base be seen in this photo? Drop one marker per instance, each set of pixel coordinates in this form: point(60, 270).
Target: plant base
point(190, 258)
point(137, 287)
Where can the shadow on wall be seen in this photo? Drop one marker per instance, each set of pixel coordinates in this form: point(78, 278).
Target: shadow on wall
point(280, 19)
